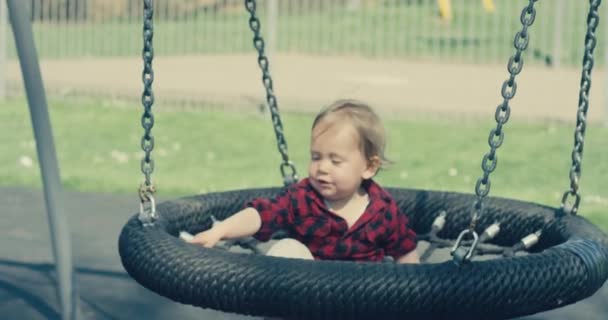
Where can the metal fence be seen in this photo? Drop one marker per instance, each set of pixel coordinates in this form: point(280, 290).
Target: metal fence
point(470, 31)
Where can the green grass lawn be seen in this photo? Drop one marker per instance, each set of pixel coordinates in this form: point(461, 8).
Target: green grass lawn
point(388, 28)
point(98, 146)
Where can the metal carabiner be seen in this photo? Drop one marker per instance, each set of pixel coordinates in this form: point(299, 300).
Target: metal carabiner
point(292, 177)
point(460, 254)
point(147, 214)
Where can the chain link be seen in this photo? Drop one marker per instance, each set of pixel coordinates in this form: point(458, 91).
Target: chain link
point(581, 116)
point(289, 176)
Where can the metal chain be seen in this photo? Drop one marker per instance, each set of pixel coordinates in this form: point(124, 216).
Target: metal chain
point(583, 106)
point(288, 169)
point(147, 189)
point(497, 135)
point(147, 99)
point(503, 111)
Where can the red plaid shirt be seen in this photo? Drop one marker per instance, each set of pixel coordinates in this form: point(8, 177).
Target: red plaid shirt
point(380, 231)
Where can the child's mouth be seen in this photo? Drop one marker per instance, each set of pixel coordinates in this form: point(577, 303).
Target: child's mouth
point(323, 183)
point(326, 186)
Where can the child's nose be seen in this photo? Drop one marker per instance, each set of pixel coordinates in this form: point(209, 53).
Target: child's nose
point(324, 166)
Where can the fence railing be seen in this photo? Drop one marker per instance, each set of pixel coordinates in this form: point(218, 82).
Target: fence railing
point(474, 31)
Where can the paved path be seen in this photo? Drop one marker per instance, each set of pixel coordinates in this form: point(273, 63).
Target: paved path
point(305, 83)
point(27, 289)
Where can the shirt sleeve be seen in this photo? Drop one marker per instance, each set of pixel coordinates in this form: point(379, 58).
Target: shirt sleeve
point(402, 239)
point(275, 214)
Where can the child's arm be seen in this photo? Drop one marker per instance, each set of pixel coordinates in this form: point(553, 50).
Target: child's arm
point(242, 224)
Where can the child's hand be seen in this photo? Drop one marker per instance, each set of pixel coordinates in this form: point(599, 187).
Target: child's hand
point(208, 238)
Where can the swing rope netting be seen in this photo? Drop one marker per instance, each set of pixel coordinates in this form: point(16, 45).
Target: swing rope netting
point(562, 258)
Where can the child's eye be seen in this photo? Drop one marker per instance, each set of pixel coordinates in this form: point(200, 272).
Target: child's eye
point(336, 162)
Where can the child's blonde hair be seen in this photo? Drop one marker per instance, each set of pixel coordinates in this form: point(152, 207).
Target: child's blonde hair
point(372, 136)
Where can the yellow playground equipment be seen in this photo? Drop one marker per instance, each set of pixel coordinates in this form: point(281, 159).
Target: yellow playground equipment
point(445, 8)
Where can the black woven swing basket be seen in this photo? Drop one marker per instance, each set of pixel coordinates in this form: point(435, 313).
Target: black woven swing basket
point(569, 263)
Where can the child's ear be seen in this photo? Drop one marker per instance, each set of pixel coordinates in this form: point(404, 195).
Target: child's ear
point(373, 165)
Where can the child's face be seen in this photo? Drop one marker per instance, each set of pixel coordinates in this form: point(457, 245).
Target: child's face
point(337, 164)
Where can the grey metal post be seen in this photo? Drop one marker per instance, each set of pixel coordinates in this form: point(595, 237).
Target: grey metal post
point(557, 33)
point(3, 56)
point(60, 233)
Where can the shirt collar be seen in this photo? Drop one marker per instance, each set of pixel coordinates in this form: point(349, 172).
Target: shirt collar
point(375, 192)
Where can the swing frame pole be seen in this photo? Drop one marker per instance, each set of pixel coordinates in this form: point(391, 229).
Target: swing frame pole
point(45, 147)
